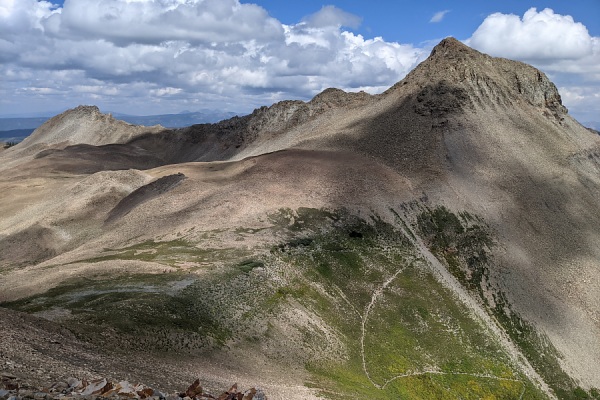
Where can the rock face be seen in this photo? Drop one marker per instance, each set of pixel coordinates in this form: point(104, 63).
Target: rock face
point(322, 241)
point(286, 115)
point(486, 80)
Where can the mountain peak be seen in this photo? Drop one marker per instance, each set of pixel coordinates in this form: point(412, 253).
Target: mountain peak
point(83, 109)
point(452, 50)
point(451, 44)
point(482, 80)
point(85, 125)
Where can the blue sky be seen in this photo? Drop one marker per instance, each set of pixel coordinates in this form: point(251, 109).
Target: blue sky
point(162, 56)
point(408, 21)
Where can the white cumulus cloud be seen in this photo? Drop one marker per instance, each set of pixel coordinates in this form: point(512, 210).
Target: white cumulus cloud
point(149, 56)
point(155, 21)
point(555, 43)
point(541, 35)
point(333, 16)
point(214, 53)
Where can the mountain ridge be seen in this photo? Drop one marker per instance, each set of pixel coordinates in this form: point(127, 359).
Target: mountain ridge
point(450, 61)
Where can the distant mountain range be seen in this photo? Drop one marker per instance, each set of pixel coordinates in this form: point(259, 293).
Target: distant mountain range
point(180, 120)
point(15, 135)
point(17, 128)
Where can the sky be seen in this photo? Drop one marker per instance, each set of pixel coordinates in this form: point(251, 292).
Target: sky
point(146, 57)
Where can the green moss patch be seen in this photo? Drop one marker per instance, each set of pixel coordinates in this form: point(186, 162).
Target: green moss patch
point(170, 253)
point(418, 340)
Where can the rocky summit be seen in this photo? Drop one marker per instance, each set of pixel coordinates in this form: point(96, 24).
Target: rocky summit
point(435, 241)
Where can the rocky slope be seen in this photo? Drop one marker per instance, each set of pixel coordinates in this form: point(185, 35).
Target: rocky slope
point(334, 243)
point(85, 125)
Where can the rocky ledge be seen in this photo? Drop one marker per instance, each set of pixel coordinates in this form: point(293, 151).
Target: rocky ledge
point(102, 389)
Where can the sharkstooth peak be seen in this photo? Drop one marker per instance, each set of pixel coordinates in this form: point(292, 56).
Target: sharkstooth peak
point(485, 80)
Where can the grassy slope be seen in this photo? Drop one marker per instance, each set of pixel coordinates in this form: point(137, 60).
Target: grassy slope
point(462, 242)
point(417, 340)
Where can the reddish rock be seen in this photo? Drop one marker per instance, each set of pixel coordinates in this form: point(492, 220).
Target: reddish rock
point(194, 390)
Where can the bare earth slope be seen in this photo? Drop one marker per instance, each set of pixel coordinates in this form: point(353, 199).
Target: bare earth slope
point(85, 125)
point(249, 238)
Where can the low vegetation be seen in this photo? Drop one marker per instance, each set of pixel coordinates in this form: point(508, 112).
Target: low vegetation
point(173, 253)
point(10, 144)
point(462, 242)
point(350, 298)
point(404, 334)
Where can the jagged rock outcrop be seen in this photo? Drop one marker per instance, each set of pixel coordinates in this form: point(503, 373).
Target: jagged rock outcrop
point(485, 80)
point(288, 114)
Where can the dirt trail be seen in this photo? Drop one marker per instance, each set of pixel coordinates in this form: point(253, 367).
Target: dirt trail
point(481, 376)
point(448, 280)
point(364, 319)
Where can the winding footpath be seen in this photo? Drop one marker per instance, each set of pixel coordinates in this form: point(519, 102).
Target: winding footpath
point(364, 318)
point(451, 283)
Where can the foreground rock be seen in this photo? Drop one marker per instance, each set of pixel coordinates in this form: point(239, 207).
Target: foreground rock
point(12, 389)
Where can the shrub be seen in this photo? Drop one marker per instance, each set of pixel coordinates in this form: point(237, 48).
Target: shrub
point(10, 144)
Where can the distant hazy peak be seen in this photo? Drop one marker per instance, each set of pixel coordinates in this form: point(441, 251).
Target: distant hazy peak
point(85, 125)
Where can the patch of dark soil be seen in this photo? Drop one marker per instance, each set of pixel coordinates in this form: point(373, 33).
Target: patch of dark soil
point(143, 194)
point(88, 159)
